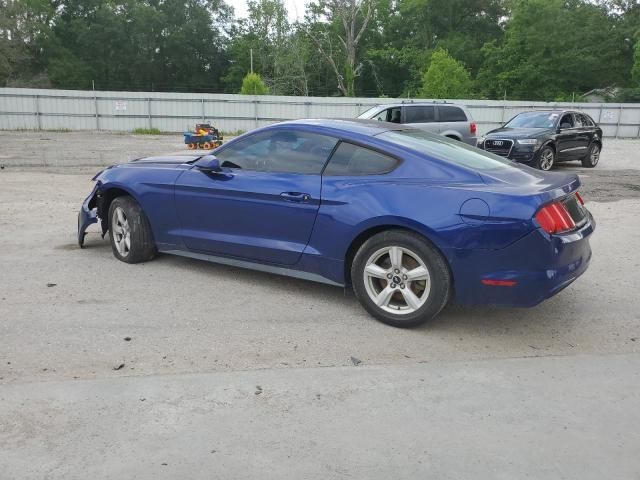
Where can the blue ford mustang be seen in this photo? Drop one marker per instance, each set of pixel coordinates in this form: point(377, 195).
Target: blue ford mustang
point(412, 221)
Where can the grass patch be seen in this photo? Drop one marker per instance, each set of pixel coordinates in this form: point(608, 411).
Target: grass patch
point(232, 133)
point(147, 131)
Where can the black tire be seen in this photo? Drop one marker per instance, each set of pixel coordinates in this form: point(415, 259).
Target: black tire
point(434, 300)
point(141, 244)
point(547, 153)
point(592, 157)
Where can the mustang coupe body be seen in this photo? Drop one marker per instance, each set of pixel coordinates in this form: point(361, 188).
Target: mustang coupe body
point(412, 221)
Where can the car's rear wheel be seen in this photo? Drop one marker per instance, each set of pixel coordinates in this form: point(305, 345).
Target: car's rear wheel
point(400, 278)
point(129, 231)
point(546, 159)
point(593, 156)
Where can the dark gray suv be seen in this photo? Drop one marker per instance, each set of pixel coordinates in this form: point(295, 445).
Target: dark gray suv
point(448, 119)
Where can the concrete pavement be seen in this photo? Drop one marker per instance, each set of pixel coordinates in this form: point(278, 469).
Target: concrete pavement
point(110, 371)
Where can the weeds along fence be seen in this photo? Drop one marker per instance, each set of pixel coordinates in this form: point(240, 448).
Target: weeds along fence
point(38, 109)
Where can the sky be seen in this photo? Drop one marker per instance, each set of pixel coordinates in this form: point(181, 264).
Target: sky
point(294, 7)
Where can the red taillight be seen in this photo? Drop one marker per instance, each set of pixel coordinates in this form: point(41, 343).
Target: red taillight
point(554, 218)
point(473, 128)
point(579, 197)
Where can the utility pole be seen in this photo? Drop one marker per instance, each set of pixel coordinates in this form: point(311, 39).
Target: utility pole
point(251, 50)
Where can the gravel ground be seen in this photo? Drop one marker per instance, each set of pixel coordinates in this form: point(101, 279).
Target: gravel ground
point(183, 369)
point(71, 149)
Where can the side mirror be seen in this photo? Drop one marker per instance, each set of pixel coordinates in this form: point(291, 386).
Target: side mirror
point(208, 163)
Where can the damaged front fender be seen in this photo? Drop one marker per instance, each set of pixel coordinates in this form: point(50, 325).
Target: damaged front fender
point(88, 214)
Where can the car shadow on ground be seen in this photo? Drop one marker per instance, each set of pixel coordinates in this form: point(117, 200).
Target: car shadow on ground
point(454, 319)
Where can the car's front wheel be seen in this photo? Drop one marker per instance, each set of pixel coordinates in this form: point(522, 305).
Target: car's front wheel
point(400, 278)
point(130, 232)
point(546, 159)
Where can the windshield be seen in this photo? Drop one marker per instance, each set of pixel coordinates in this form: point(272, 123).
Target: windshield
point(369, 113)
point(533, 120)
point(446, 149)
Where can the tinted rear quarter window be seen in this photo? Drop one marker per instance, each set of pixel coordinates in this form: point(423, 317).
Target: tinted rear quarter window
point(446, 149)
point(451, 114)
point(349, 159)
point(420, 114)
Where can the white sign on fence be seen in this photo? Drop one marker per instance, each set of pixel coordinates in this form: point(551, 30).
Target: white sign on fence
point(121, 105)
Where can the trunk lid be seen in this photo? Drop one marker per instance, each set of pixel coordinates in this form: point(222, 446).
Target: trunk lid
point(523, 180)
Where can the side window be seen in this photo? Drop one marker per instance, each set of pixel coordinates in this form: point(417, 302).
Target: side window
point(451, 114)
point(349, 159)
point(578, 120)
point(279, 151)
point(420, 114)
point(586, 121)
point(567, 121)
point(389, 115)
point(382, 116)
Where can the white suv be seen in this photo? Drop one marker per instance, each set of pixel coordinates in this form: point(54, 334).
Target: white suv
point(448, 119)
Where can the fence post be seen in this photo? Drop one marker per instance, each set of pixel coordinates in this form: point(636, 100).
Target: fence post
point(149, 111)
point(202, 102)
point(600, 115)
point(307, 109)
point(619, 118)
point(37, 98)
point(95, 109)
point(255, 111)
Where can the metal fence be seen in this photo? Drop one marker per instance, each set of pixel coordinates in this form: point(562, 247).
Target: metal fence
point(35, 109)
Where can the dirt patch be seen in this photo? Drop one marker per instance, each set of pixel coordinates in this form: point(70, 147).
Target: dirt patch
point(610, 185)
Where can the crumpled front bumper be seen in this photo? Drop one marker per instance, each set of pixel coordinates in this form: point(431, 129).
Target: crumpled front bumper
point(87, 215)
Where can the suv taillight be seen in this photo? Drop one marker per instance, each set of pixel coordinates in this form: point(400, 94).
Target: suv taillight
point(473, 128)
point(554, 218)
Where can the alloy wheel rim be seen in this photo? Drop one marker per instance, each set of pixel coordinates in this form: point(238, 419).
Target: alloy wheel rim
point(547, 160)
point(121, 232)
point(595, 155)
point(397, 280)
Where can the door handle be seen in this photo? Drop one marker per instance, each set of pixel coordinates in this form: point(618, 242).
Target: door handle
point(295, 196)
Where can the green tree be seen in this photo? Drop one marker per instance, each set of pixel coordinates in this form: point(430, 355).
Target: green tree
point(553, 48)
point(136, 44)
point(252, 84)
point(24, 27)
point(445, 78)
point(337, 28)
point(280, 53)
point(635, 71)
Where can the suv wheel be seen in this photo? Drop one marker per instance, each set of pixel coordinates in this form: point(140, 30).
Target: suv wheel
point(546, 159)
point(593, 156)
point(400, 279)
